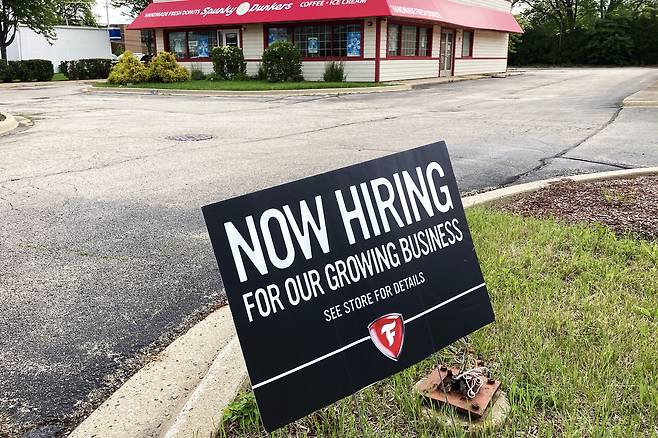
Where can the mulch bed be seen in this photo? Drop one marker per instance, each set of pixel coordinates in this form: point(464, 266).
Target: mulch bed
point(625, 206)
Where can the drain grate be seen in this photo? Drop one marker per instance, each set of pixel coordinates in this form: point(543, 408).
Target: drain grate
point(190, 137)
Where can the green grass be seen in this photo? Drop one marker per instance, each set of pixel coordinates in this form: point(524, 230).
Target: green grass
point(60, 77)
point(575, 341)
point(252, 85)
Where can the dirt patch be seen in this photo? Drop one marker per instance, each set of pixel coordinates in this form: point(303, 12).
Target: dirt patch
point(625, 206)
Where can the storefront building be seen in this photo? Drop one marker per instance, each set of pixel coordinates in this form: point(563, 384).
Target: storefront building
point(377, 40)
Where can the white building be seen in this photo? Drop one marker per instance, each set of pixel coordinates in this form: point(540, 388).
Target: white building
point(377, 40)
point(72, 43)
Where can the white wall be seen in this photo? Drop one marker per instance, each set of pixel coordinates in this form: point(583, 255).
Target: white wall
point(489, 54)
point(490, 44)
point(72, 43)
point(479, 66)
point(355, 71)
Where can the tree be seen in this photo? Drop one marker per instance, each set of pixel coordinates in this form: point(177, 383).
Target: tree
point(38, 15)
point(76, 12)
point(135, 6)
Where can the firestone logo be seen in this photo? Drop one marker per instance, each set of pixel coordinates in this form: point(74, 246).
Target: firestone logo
point(244, 8)
point(387, 333)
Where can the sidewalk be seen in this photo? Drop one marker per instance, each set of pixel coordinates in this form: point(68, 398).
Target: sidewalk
point(394, 86)
point(644, 98)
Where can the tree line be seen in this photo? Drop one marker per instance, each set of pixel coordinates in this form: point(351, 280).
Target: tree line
point(573, 32)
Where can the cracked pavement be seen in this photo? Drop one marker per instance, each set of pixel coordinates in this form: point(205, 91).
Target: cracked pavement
point(104, 256)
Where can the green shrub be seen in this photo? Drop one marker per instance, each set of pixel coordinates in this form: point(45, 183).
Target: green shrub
point(334, 72)
point(242, 76)
point(5, 72)
point(30, 70)
point(20, 70)
point(40, 69)
point(260, 74)
point(164, 68)
point(228, 62)
point(282, 62)
point(93, 68)
point(214, 77)
point(197, 75)
point(128, 70)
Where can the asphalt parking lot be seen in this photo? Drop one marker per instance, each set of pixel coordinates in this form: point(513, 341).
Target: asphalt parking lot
point(104, 254)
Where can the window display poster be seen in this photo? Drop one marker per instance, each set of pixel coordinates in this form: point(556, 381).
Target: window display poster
point(202, 46)
point(277, 34)
point(313, 45)
point(353, 43)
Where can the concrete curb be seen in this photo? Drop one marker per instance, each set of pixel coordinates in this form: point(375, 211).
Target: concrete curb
point(8, 124)
point(511, 191)
point(394, 87)
point(182, 392)
point(643, 98)
point(46, 83)
point(223, 93)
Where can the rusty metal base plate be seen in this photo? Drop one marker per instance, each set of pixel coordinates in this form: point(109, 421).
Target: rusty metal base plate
point(430, 387)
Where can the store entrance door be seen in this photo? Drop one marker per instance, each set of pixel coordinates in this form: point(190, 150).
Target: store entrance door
point(228, 37)
point(445, 54)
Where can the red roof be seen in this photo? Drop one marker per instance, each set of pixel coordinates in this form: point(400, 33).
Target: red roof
point(229, 12)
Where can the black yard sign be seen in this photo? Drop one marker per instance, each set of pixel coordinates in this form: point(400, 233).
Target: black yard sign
point(342, 279)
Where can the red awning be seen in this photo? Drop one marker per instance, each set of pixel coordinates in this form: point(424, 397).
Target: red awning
point(229, 12)
point(458, 14)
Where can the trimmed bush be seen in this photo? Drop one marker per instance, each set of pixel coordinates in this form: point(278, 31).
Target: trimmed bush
point(20, 70)
point(29, 70)
point(282, 62)
point(92, 68)
point(128, 70)
point(42, 69)
point(164, 68)
point(5, 72)
point(228, 62)
point(334, 72)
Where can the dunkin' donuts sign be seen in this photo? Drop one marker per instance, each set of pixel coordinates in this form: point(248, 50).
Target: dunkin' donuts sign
point(342, 279)
point(247, 7)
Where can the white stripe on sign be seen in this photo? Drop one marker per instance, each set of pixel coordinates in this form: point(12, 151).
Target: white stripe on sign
point(358, 341)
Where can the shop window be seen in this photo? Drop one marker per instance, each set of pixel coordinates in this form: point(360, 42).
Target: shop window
point(467, 44)
point(200, 44)
point(393, 39)
point(275, 34)
point(177, 44)
point(423, 42)
point(313, 41)
point(347, 40)
point(408, 47)
point(408, 41)
point(321, 41)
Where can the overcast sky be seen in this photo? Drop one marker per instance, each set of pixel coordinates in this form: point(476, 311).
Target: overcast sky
point(116, 15)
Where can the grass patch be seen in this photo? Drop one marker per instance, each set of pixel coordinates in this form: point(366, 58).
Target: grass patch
point(60, 77)
point(574, 342)
point(242, 85)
